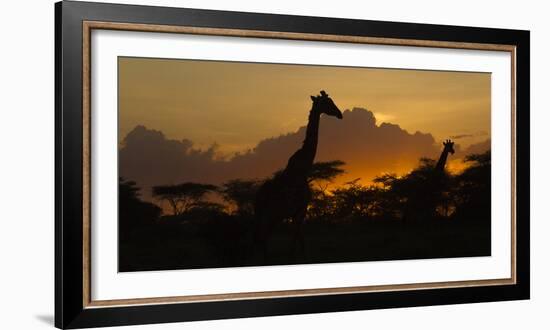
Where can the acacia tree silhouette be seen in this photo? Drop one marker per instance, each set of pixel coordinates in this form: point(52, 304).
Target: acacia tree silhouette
point(240, 193)
point(287, 194)
point(339, 221)
point(182, 197)
point(322, 174)
point(325, 171)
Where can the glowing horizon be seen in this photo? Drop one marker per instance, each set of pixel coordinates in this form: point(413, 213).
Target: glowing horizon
point(238, 106)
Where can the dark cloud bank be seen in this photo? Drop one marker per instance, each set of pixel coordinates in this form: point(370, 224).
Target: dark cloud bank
point(148, 158)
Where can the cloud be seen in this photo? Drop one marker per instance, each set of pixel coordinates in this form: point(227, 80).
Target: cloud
point(466, 135)
point(456, 163)
point(476, 148)
point(461, 136)
point(383, 117)
point(149, 158)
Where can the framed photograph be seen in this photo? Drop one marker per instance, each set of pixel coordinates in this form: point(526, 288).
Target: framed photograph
point(215, 164)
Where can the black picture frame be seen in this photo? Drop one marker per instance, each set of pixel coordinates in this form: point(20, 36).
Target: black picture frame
point(70, 309)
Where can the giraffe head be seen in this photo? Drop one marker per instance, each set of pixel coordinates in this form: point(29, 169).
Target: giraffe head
point(449, 146)
point(324, 104)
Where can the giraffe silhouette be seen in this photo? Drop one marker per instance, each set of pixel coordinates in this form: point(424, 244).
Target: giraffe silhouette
point(441, 178)
point(448, 148)
point(286, 195)
point(428, 185)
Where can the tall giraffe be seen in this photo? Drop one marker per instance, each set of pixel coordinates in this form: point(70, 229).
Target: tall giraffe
point(448, 148)
point(287, 194)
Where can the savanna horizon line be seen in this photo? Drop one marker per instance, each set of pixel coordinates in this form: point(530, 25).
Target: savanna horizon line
point(369, 150)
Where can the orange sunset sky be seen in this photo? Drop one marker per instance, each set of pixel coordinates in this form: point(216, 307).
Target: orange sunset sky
point(171, 113)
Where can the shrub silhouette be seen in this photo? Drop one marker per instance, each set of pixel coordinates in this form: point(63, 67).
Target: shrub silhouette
point(421, 214)
point(133, 212)
point(182, 197)
point(240, 194)
point(472, 190)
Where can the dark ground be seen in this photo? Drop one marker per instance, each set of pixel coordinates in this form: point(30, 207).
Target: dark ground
point(167, 246)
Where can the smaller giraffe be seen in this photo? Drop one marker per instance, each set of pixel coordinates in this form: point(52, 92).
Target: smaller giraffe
point(448, 148)
point(440, 177)
point(423, 203)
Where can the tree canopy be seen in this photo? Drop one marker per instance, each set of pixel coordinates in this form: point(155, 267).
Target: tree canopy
point(182, 197)
point(326, 171)
point(241, 193)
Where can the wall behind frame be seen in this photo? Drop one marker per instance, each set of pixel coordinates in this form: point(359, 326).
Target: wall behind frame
point(27, 145)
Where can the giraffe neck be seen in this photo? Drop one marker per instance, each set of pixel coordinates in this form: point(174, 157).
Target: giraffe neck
point(301, 161)
point(441, 162)
point(309, 145)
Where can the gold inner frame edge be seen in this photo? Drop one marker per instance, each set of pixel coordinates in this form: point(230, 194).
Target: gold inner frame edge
point(88, 26)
